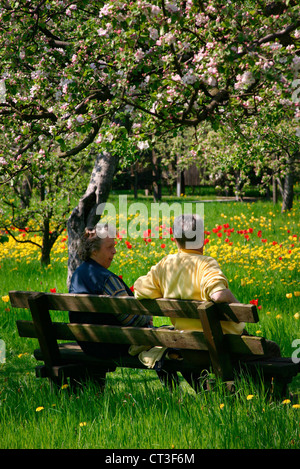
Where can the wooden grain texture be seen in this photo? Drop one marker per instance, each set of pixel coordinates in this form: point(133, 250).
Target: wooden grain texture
point(167, 307)
point(245, 345)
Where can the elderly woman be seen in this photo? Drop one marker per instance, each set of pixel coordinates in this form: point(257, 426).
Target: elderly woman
point(97, 250)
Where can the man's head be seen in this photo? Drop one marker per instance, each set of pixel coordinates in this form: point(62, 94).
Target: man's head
point(189, 231)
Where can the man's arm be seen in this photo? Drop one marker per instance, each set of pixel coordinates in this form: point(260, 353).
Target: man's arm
point(148, 286)
point(224, 296)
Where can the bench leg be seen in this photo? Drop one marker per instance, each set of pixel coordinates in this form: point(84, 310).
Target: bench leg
point(198, 381)
point(73, 377)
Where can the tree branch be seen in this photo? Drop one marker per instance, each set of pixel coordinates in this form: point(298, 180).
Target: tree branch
point(281, 35)
point(54, 40)
point(21, 241)
point(85, 142)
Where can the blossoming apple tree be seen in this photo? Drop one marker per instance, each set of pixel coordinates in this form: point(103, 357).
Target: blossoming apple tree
point(111, 78)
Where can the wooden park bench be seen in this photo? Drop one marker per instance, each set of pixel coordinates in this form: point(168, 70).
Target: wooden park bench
point(225, 355)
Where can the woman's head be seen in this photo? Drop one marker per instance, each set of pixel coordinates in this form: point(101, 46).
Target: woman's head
point(99, 244)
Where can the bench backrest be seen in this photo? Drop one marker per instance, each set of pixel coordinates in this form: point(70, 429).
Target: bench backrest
point(127, 304)
point(212, 339)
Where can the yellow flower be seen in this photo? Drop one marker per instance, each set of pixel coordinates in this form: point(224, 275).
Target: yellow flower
point(289, 295)
point(5, 298)
point(249, 397)
point(221, 406)
point(297, 293)
point(64, 386)
point(296, 406)
point(38, 409)
point(296, 315)
point(286, 401)
point(82, 424)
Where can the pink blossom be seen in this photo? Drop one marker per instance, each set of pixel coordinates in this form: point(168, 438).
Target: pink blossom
point(172, 7)
point(139, 55)
point(155, 10)
point(153, 33)
point(105, 11)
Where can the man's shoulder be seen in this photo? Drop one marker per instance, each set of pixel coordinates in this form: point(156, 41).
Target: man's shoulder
point(168, 258)
point(210, 261)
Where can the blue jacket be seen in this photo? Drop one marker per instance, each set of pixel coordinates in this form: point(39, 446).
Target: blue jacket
point(90, 277)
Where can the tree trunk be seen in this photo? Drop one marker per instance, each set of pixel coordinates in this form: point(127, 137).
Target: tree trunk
point(274, 190)
point(84, 215)
point(24, 193)
point(49, 239)
point(288, 188)
point(156, 177)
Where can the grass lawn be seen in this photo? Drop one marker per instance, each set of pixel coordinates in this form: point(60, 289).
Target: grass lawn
point(258, 249)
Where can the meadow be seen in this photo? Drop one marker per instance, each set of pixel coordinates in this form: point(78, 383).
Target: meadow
point(258, 248)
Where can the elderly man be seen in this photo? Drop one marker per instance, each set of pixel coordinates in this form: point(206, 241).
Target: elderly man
point(189, 274)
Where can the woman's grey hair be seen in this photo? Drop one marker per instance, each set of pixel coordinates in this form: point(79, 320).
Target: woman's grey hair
point(92, 239)
point(189, 231)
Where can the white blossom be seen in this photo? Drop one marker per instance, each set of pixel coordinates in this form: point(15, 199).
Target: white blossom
point(169, 38)
point(244, 80)
point(102, 32)
point(143, 145)
point(128, 108)
point(105, 11)
point(153, 33)
point(189, 78)
point(139, 55)
point(155, 10)
point(109, 137)
point(172, 6)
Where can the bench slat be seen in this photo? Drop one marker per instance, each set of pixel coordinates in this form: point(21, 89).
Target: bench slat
point(120, 335)
point(159, 307)
point(71, 353)
point(246, 345)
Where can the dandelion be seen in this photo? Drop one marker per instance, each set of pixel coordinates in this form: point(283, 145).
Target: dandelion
point(289, 295)
point(64, 386)
point(82, 424)
point(296, 315)
point(297, 293)
point(286, 401)
point(249, 397)
point(5, 298)
point(296, 406)
point(222, 406)
point(38, 409)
